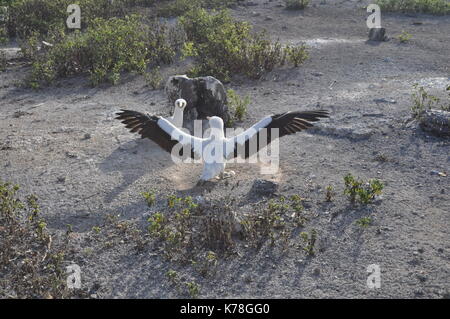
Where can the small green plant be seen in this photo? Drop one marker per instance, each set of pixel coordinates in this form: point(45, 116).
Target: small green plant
point(297, 55)
point(96, 229)
point(364, 222)
point(237, 104)
point(208, 263)
point(172, 275)
point(193, 289)
point(404, 37)
point(296, 4)
point(150, 198)
point(172, 200)
point(330, 193)
point(310, 240)
point(157, 222)
point(422, 101)
point(154, 78)
point(362, 192)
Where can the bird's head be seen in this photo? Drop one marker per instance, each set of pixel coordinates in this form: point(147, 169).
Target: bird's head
point(180, 103)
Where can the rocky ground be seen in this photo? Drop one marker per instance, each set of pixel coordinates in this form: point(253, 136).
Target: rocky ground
point(63, 144)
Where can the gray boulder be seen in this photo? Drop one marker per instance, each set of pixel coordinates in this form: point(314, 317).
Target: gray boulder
point(436, 122)
point(263, 188)
point(205, 96)
point(377, 34)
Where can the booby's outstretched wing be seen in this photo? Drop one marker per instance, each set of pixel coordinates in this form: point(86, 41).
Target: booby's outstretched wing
point(286, 123)
point(151, 127)
point(179, 136)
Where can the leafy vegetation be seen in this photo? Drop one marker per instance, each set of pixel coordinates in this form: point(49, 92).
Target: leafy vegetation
point(437, 7)
point(193, 289)
point(3, 61)
point(422, 101)
point(150, 198)
point(404, 37)
point(27, 17)
point(296, 55)
point(330, 193)
point(111, 41)
point(310, 241)
point(180, 7)
point(3, 20)
point(296, 4)
point(154, 78)
point(237, 105)
point(105, 50)
point(31, 258)
point(364, 222)
point(222, 46)
point(358, 191)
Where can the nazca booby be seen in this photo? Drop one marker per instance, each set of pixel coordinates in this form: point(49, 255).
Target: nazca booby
point(216, 149)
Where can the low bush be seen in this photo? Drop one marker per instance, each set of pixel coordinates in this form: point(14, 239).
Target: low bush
point(222, 46)
point(180, 7)
point(31, 258)
point(423, 101)
point(404, 37)
point(30, 16)
point(106, 49)
point(3, 62)
point(296, 4)
point(237, 105)
point(358, 191)
point(437, 7)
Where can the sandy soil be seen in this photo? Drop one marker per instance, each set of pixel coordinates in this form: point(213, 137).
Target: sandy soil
point(63, 144)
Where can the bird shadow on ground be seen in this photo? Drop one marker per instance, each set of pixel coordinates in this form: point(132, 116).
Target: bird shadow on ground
point(133, 160)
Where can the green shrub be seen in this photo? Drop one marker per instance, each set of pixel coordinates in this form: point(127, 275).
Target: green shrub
point(437, 7)
point(3, 62)
point(41, 16)
point(106, 49)
point(3, 36)
point(180, 7)
point(364, 222)
point(237, 104)
point(222, 46)
point(422, 101)
point(296, 4)
point(296, 55)
point(404, 37)
point(362, 192)
point(154, 78)
point(3, 21)
point(29, 16)
point(31, 263)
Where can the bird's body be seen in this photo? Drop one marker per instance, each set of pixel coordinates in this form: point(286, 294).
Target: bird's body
point(216, 149)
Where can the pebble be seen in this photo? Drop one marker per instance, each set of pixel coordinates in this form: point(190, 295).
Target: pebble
point(385, 100)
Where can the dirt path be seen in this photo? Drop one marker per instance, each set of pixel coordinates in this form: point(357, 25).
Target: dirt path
point(63, 144)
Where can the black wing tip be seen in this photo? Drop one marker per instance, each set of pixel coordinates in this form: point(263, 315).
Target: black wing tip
point(320, 113)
